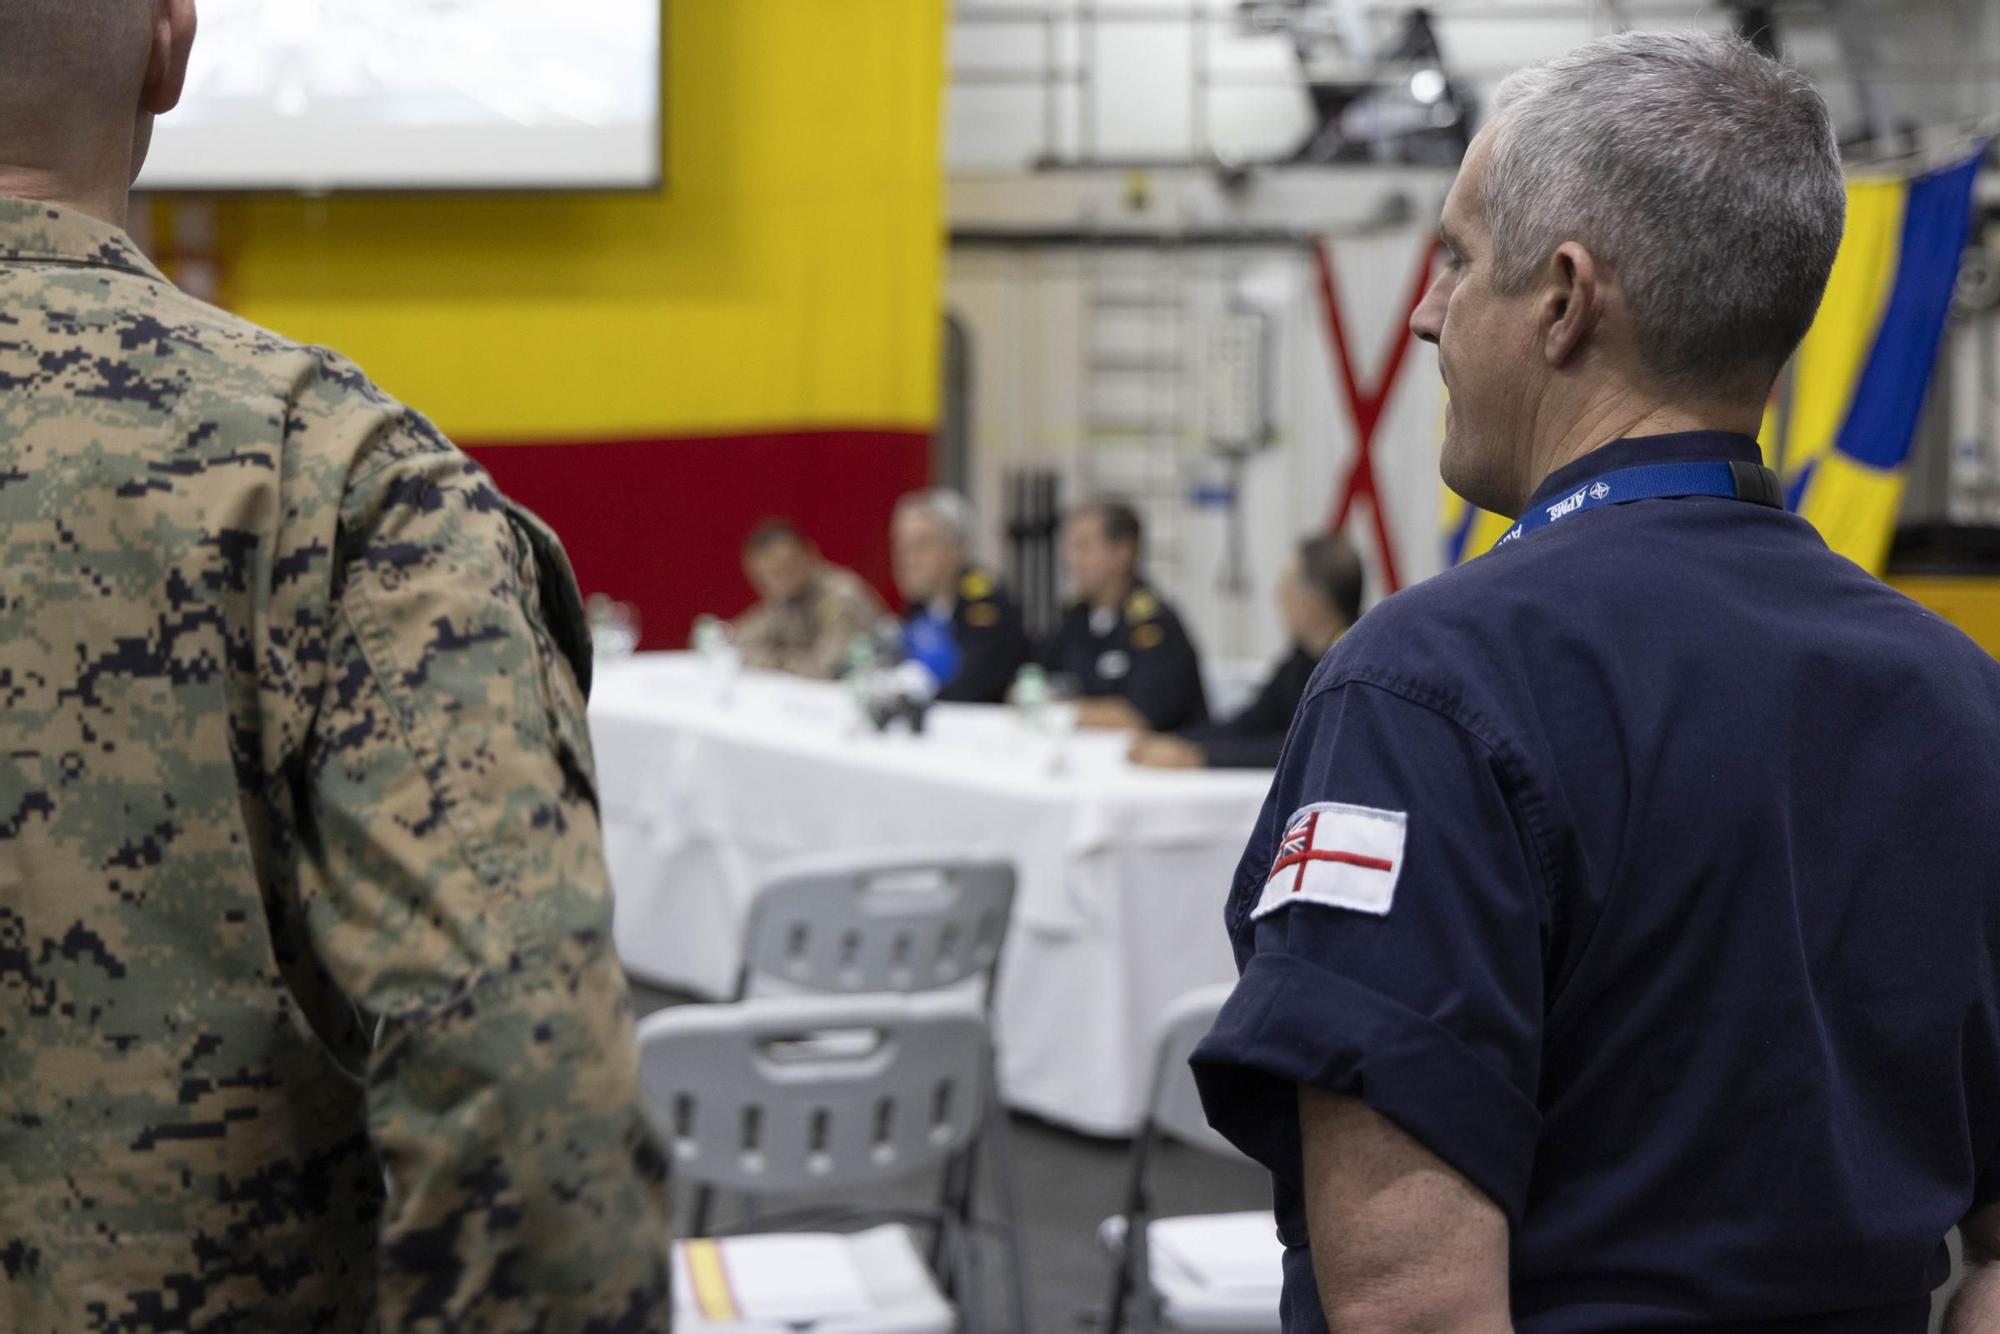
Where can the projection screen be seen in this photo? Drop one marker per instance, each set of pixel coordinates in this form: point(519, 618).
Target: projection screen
point(325, 95)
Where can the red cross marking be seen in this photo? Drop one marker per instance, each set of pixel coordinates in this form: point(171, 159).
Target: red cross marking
point(1299, 859)
point(1366, 406)
point(1308, 853)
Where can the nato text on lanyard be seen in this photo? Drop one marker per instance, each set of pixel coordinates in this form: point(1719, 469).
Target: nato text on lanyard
point(1659, 481)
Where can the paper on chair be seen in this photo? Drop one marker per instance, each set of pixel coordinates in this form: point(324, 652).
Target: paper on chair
point(782, 1278)
point(1224, 1252)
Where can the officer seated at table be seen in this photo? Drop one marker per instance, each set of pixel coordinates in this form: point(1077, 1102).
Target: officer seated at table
point(960, 623)
point(1122, 645)
point(808, 611)
point(1319, 597)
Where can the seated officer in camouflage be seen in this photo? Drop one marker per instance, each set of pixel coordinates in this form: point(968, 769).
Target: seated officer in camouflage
point(809, 611)
point(1123, 648)
point(311, 1020)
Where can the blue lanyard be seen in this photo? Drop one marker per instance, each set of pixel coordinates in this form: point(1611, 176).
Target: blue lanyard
point(1738, 481)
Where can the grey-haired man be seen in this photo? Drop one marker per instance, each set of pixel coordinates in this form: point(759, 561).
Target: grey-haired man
point(1619, 942)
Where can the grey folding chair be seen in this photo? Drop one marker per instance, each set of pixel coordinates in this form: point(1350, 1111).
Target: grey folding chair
point(903, 925)
point(1173, 1272)
point(802, 1095)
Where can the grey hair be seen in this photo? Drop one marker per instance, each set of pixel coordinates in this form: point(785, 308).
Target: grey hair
point(948, 509)
point(1704, 174)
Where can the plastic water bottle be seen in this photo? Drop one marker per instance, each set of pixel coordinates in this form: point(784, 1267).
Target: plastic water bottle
point(614, 628)
point(718, 656)
point(860, 678)
point(1031, 697)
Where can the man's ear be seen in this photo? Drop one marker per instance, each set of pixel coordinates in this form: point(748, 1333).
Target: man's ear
point(1571, 305)
point(167, 65)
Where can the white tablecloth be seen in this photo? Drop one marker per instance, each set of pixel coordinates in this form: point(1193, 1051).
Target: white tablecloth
point(707, 785)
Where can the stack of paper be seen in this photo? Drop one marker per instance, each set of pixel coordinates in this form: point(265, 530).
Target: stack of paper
point(1232, 1253)
point(785, 1278)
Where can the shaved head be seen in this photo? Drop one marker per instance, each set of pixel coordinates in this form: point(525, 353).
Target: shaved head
point(80, 83)
point(91, 52)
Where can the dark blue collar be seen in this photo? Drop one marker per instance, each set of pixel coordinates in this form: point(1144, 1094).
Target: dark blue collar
point(1640, 450)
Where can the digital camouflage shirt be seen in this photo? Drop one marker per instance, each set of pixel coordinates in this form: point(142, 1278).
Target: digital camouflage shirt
point(812, 634)
point(309, 1019)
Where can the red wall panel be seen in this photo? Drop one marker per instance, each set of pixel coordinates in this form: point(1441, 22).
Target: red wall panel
point(660, 523)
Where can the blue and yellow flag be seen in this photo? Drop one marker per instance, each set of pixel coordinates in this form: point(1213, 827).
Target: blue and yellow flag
point(1841, 436)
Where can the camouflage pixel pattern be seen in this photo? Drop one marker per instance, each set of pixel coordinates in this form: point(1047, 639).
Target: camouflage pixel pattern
point(311, 1019)
point(811, 634)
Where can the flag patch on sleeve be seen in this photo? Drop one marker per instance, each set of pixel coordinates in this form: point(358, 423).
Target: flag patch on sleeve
point(1338, 856)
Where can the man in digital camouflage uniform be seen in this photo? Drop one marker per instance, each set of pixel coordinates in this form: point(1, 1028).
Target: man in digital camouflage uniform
point(309, 1019)
point(809, 611)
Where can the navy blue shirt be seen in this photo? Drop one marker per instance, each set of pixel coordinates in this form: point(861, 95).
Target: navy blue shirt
point(1140, 653)
point(977, 655)
point(1255, 738)
point(1647, 871)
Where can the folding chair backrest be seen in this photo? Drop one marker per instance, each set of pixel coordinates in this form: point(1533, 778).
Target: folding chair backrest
point(796, 1094)
point(903, 926)
point(1176, 1106)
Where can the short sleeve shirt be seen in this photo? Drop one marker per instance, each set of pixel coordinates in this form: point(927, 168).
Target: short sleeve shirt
point(1644, 871)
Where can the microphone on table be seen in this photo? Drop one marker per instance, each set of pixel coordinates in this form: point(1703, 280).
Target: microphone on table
point(892, 685)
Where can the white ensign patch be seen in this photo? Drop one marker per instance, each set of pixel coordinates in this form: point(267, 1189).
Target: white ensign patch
point(1340, 856)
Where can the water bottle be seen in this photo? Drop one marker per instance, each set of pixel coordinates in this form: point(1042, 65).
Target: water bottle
point(1031, 697)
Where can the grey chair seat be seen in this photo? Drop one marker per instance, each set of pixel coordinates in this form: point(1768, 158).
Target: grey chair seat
point(1198, 1272)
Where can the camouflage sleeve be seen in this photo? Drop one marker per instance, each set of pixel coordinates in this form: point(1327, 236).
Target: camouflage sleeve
point(455, 888)
point(754, 634)
point(852, 613)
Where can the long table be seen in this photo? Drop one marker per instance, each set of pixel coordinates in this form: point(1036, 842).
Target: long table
point(710, 780)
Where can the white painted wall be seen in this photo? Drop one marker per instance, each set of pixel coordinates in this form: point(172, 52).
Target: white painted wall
point(1139, 96)
point(1032, 330)
point(1029, 316)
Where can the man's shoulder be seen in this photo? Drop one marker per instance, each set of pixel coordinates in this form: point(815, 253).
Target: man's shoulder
point(243, 377)
point(1145, 605)
point(117, 352)
point(845, 586)
point(154, 320)
point(1151, 621)
point(983, 603)
point(1466, 602)
point(1911, 641)
point(978, 584)
point(1452, 642)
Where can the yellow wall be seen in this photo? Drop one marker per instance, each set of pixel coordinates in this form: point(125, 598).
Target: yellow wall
point(788, 276)
point(1971, 603)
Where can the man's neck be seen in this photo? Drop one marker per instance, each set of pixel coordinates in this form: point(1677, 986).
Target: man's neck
point(1115, 597)
point(1625, 417)
point(1319, 641)
point(104, 201)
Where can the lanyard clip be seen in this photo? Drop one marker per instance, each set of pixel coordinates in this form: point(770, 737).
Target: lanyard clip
point(1757, 484)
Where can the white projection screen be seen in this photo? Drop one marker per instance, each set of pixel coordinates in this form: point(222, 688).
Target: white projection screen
point(326, 95)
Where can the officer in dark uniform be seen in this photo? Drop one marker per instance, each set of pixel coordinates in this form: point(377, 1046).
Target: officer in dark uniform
point(960, 624)
point(1128, 653)
point(1319, 597)
point(1620, 943)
